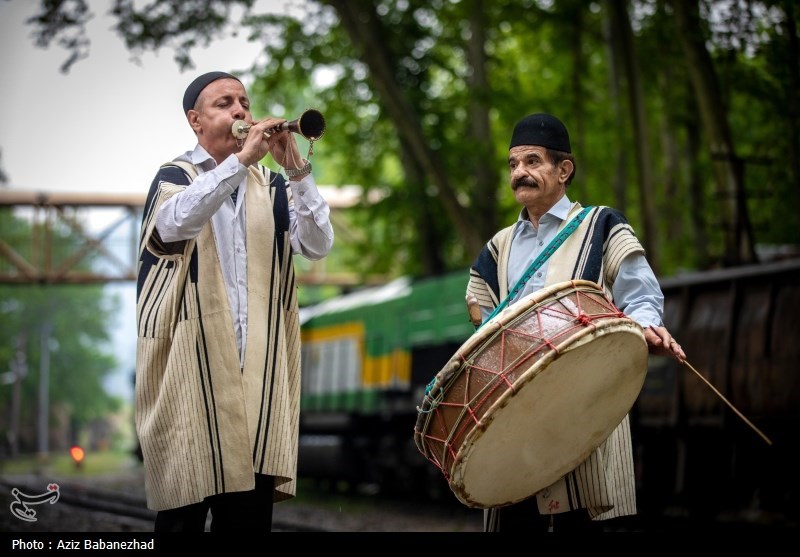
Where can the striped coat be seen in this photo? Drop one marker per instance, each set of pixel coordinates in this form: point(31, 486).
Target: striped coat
point(205, 424)
point(604, 483)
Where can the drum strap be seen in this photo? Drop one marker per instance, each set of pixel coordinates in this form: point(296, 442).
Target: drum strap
point(534, 266)
point(539, 261)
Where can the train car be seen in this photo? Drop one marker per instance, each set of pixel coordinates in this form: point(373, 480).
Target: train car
point(696, 453)
point(368, 357)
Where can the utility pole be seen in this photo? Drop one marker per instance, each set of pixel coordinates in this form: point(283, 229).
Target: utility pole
point(18, 371)
point(44, 395)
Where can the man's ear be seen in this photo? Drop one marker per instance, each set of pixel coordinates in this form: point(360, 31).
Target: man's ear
point(193, 116)
point(565, 170)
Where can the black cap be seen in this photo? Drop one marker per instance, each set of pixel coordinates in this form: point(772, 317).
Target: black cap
point(543, 130)
point(200, 83)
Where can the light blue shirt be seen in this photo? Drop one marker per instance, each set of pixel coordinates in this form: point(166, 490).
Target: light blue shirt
point(636, 291)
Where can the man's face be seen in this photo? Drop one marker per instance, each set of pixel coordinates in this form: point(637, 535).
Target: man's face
point(221, 103)
point(537, 183)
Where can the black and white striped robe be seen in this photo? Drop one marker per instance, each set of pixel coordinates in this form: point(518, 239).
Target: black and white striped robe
point(206, 425)
point(604, 483)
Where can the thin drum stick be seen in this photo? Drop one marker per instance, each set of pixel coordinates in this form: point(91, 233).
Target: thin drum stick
point(764, 437)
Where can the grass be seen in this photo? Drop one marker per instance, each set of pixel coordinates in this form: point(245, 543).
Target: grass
point(61, 464)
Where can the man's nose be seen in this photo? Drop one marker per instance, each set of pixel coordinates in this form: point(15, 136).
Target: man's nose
point(517, 172)
point(239, 112)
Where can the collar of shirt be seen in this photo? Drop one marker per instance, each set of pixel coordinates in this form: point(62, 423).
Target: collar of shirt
point(559, 210)
point(528, 242)
point(200, 157)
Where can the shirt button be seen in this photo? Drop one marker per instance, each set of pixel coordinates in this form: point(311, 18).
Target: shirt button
point(541, 243)
point(539, 275)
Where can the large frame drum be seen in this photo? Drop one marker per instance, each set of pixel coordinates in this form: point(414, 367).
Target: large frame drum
point(531, 394)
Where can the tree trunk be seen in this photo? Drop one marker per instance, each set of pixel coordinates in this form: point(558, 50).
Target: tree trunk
point(671, 176)
point(790, 27)
point(619, 15)
point(694, 182)
point(429, 241)
point(367, 32)
point(615, 48)
point(728, 168)
point(578, 101)
point(484, 199)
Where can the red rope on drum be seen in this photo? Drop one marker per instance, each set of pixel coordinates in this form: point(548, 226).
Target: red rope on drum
point(584, 319)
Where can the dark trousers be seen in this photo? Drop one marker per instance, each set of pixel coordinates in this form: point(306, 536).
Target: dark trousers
point(525, 517)
point(230, 512)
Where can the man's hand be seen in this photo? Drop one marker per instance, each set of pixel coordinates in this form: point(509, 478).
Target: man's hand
point(661, 343)
point(474, 310)
point(256, 144)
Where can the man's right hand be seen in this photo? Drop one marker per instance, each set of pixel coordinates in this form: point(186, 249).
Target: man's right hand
point(474, 310)
point(256, 144)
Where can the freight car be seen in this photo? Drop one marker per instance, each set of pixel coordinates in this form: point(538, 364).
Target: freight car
point(368, 356)
point(740, 328)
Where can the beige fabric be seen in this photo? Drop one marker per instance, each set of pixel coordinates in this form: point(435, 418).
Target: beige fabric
point(205, 425)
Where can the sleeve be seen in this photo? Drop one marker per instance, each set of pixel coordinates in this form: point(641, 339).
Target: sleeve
point(637, 293)
point(183, 215)
point(169, 181)
point(310, 230)
point(483, 287)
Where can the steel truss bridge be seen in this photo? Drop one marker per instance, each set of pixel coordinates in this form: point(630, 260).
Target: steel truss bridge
point(86, 238)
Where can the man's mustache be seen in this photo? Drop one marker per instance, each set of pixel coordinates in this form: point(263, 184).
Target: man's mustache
point(524, 181)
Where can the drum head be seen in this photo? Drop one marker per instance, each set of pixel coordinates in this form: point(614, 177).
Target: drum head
point(563, 409)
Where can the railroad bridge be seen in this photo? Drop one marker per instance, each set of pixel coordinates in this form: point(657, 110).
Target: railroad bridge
point(104, 228)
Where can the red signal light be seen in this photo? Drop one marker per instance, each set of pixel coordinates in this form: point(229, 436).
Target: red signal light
point(77, 454)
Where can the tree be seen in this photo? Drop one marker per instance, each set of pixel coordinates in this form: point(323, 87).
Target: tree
point(622, 44)
point(739, 245)
point(417, 93)
point(74, 322)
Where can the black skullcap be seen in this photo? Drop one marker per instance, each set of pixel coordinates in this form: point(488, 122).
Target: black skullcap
point(542, 130)
point(200, 83)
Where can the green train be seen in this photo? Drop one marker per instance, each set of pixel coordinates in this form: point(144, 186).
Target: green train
point(369, 355)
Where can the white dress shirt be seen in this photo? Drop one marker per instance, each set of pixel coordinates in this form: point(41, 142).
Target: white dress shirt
point(183, 216)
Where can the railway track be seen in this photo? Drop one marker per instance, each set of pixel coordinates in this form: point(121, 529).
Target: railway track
point(83, 508)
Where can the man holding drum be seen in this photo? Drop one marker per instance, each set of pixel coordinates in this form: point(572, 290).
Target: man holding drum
point(218, 355)
point(530, 255)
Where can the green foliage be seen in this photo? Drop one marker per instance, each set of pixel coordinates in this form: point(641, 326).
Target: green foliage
point(537, 56)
